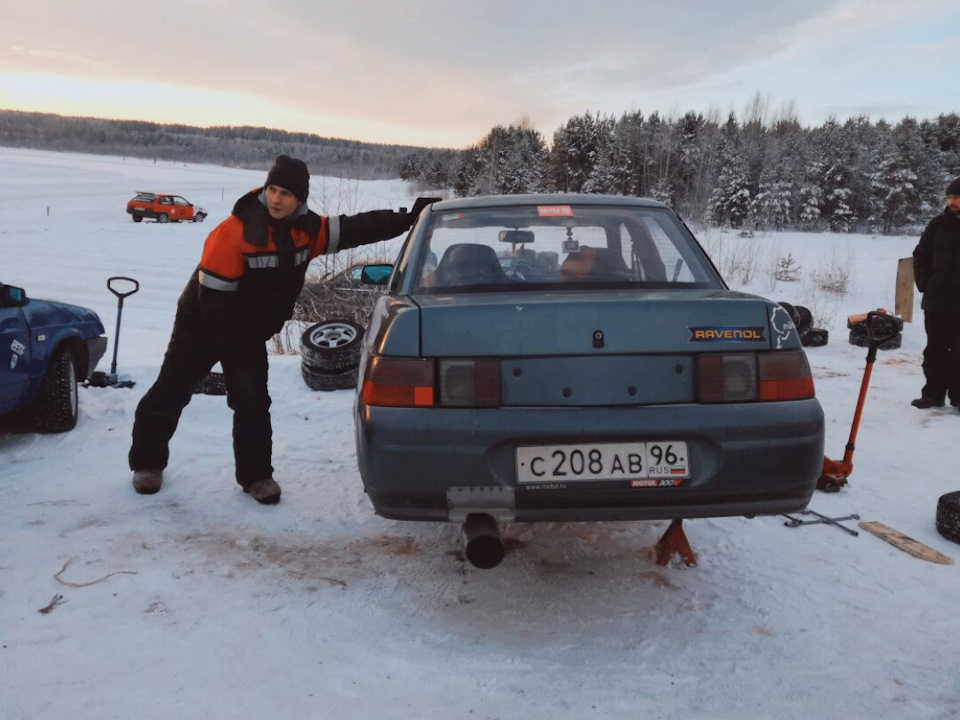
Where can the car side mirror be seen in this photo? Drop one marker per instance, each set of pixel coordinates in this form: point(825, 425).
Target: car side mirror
point(11, 296)
point(376, 274)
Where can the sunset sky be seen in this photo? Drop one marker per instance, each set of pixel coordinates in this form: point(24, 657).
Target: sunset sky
point(441, 74)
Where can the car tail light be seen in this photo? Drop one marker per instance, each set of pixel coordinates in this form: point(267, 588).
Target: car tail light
point(727, 378)
point(785, 376)
point(425, 382)
point(398, 382)
point(469, 383)
point(750, 377)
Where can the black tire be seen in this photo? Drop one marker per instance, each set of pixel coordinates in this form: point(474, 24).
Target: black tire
point(162, 218)
point(331, 346)
point(814, 337)
point(342, 380)
point(792, 312)
point(948, 516)
point(199, 217)
point(138, 218)
point(212, 384)
point(57, 405)
point(805, 317)
point(860, 339)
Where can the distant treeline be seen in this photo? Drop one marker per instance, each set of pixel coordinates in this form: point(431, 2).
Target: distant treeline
point(242, 147)
point(749, 173)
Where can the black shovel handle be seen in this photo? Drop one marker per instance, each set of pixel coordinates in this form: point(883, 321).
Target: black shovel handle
point(874, 323)
point(122, 295)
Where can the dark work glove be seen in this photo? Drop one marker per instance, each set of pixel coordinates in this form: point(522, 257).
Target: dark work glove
point(419, 205)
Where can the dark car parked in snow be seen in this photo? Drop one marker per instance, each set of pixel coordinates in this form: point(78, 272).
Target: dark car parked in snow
point(577, 358)
point(45, 348)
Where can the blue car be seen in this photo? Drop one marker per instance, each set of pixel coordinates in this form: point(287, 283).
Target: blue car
point(45, 347)
point(576, 358)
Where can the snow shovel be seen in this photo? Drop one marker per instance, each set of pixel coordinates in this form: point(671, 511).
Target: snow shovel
point(102, 379)
point(880, 327)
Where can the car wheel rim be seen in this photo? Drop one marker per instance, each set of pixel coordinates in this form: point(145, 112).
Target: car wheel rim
point(335, 335)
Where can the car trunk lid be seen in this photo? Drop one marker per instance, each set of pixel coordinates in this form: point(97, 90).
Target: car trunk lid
point(589, 349)
point(593, 323)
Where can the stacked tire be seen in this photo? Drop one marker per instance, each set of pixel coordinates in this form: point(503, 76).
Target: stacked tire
point(889, 326)
point(330, 354)
point(803, 320)
point(948, 516)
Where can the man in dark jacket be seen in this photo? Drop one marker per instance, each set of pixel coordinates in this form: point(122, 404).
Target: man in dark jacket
point(251, 272)
point(936, 268)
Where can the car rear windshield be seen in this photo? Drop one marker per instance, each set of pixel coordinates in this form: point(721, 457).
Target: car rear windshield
point(557, 246)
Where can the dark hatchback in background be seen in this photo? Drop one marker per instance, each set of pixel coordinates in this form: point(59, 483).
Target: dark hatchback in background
point(577, 358)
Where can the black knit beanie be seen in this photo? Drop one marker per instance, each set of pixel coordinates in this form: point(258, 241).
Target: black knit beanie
point(954, 187)
point(290, 174)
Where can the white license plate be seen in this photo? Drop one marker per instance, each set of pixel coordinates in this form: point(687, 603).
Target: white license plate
point(636, 461)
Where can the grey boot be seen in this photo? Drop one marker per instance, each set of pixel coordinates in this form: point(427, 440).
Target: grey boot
point(147, 481)
point(266, 492)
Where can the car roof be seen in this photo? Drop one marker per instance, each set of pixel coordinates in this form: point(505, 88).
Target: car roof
point(494, 201)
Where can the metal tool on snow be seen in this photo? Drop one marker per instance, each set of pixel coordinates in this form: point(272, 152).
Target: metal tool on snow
point(821, 520)
point(880, 327)
point(102, 379)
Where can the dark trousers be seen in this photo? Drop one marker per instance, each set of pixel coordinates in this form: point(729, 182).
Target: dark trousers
point(189, 357)
point(941, 357)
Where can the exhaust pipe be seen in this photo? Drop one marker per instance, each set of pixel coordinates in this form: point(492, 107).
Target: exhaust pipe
point(482, 543)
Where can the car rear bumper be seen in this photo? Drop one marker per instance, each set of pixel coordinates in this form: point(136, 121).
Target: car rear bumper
point(145, 213)
point(751, 459)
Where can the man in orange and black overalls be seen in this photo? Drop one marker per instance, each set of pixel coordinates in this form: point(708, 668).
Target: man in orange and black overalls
point(249, 278)
point(936, 270)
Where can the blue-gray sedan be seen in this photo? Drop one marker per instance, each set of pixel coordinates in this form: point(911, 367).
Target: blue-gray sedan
point(576, 358)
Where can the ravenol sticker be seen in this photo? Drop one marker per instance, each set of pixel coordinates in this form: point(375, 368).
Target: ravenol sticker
point(554, 211)
point(726, 334)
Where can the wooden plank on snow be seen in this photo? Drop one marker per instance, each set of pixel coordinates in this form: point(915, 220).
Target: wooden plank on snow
point(907, 544)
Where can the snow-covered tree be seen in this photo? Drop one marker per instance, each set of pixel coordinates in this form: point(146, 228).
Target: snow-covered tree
point(472, 176)
point(946, 139)
point(521, 161)
point(903, 187)
point(610, 172)
point(759, 172)
point(773, 205)
point(730, 203)
point(575, 152)
point(508, 161)
point(693, 168)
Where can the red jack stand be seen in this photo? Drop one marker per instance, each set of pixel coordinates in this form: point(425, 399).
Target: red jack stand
point(674, 540)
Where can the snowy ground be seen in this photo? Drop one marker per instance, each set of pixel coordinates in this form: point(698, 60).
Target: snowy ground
point(199, 603)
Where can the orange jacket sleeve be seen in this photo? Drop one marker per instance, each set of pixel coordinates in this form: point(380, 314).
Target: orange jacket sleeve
point(221, 267)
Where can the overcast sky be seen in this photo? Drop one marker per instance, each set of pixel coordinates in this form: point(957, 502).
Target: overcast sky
point(443, 73)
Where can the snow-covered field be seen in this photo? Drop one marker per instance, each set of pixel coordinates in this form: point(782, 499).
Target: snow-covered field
point(199, 603)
